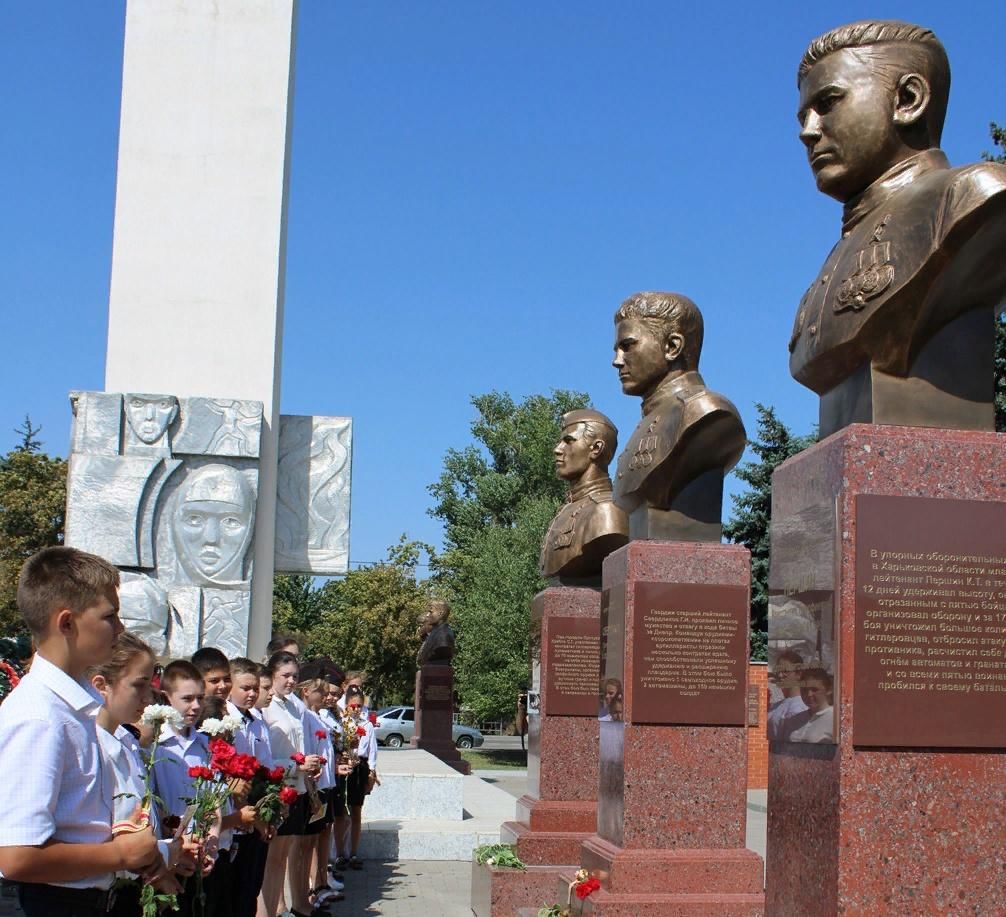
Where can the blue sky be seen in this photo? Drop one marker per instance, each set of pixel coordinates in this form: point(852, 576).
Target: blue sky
point(475, 188)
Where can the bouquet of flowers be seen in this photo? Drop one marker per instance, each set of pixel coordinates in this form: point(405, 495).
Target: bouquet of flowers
point(583, 886)
point(271, 793)
point(238, 770)
point(14, 653)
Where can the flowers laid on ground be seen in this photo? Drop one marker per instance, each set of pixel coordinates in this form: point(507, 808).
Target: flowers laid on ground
point(582, 887)
point(502, 855)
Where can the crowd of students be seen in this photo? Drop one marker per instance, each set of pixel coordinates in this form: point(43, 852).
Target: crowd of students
point(96, 801)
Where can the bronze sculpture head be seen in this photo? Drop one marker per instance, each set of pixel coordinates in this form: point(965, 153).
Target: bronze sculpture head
point(898, 326)
point(670, 475)
point(872, 94)
point(588, 526)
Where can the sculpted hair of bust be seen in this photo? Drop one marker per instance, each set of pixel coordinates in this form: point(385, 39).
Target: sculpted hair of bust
point(666, 314)
point(893, 49)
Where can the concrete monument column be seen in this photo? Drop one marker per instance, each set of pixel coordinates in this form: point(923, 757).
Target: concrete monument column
point(196, 303)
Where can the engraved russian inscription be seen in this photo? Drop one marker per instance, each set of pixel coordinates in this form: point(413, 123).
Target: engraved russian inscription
point(930, 622)
point(689, 656)
point(573, 666)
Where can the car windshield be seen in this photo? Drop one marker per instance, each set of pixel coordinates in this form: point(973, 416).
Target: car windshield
point(390, 712)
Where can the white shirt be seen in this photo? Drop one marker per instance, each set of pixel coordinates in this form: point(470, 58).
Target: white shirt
point(321, 746)
point(816, 727)
point(54, 786)
point(286, 735)
point(780, 716)
point(367, 749)
point(253, 736)
point(120, 754)
point(175, 754)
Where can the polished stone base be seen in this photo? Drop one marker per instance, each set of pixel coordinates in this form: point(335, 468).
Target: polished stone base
point(505, 892)
point(672, 805)
point(882, 830)
point(435, 716)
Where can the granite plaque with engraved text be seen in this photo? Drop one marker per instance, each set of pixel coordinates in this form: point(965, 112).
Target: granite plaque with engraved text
point(573, 666)
point(690, 651)
point(930, 623)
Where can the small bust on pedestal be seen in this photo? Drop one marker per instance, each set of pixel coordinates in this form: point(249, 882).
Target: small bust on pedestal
point(437, 635)
point(670, 474)
point(589, 526)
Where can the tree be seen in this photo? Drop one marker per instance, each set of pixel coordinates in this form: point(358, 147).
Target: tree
point(496, 499)
point(752, 511)
point(367, 620)
point(32, 511)
point(999, 139)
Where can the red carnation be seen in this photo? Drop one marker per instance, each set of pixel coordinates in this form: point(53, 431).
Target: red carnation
point(297, 758)
point(360, 731)
point(288, 795)
point(323, 761)
point(320, 734)
point(277, 774)
point(372, 717)
point(221, 749)
point(587, 887)
point(201, 773)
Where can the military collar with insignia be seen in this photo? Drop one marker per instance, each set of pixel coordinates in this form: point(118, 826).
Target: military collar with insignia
point(894, 179)
point(582, 489)
point(670, 388)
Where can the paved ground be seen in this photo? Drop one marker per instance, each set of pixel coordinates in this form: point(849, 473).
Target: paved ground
point(414, 888)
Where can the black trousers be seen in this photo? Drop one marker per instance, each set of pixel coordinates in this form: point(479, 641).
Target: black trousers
point(40, 900)
point(248, 873)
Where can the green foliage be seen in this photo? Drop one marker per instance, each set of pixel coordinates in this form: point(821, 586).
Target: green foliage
point(752, 510)
point(368, 620)
point(32, 507)
point(999, 139)
point(503, 855)
point(496, 499)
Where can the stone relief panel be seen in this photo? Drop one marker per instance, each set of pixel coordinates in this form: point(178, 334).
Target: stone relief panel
point(220, 426)
point(313, 494)
point(166, 488)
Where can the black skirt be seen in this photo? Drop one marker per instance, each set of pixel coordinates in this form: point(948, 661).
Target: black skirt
point(356, 784)
point(295, 823)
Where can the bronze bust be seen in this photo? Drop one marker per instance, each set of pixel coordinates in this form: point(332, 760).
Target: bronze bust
point(437, 635)
point(589, 526)
point(670, 474)
point(898, 326)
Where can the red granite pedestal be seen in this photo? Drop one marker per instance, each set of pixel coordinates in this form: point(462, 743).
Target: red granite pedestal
point(905, 814)
point(435, 715)
point(672, 804)
point(559, 810)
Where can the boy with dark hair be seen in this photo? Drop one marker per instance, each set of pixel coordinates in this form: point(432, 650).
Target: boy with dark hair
point(56, 805)
point(215, 669)
point(248, 870)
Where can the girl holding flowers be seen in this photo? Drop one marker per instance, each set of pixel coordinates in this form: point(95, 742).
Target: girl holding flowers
point(124, 683)
point(289, 852)
point(358, 731)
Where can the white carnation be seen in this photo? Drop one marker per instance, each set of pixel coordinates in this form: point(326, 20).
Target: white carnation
point(232, 723)
point(213, 727)
point(156, 715)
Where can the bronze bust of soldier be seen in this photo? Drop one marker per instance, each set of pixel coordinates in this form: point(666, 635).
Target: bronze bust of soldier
point(898, 326)
point(589, 526)
point(670, 474)
point(437, 635)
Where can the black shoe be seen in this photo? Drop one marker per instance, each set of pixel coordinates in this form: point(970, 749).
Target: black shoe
point(355, 862)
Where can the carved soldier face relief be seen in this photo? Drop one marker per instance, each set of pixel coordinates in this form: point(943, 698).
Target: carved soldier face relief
point(849, 111)
point(642, 357)
point(149, 416)
point(573, 452)
point(213, 524)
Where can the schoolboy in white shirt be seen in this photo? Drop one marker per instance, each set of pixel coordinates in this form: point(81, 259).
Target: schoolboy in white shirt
point(56, 799)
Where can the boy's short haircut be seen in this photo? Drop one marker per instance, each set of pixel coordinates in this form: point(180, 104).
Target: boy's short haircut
point(208, 658)
point(60, 577)
point(244, 666)
point(178, 671)
point(263, 672)
point(354, 674)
